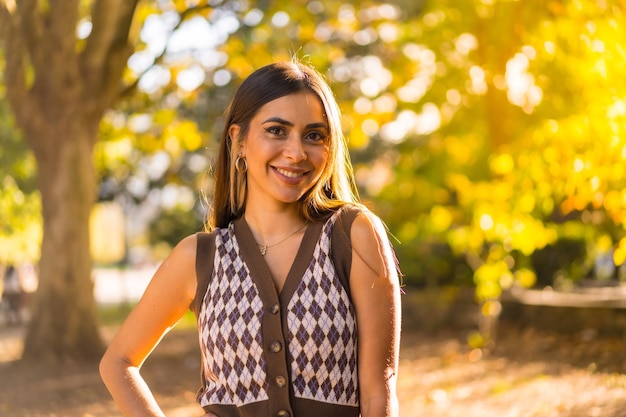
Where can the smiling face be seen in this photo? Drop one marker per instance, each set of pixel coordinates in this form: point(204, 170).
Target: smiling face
point(286, 148)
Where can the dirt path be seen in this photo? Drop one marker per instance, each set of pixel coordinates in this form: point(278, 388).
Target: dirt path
point(529, 374)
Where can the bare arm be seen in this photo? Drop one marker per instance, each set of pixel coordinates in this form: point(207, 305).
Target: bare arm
point(375, 288)
point(164, 302)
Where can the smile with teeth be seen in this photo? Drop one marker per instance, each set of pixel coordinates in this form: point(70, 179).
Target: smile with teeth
point(289, 174)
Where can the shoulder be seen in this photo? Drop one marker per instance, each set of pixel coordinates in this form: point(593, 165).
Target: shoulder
point(370, 243)
point(365, 225)
point(358, 222)
point(199, 244)
point(174, 282)
point(186, 248)
point(182, 259)
point(345, 214)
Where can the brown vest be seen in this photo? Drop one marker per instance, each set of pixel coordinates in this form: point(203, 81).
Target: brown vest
point(271, 354)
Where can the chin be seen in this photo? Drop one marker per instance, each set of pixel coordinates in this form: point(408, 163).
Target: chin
point(291, 198)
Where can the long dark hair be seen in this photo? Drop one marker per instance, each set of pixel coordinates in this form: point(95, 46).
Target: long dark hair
point(336, 185)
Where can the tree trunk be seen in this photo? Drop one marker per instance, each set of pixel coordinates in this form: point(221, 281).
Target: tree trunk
point(59, 87)
point(64, 323)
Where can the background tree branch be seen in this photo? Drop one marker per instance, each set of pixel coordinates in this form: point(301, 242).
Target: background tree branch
point(13, 40)
point(107, 50)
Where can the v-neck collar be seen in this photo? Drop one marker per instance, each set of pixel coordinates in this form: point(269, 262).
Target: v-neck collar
point(259, 270)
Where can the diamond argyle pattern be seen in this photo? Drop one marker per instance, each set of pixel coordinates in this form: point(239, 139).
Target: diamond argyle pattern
point(322, 328)
point(230, 330)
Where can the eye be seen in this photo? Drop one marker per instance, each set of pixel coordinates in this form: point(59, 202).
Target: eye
point(316, 136)
point(275, 130)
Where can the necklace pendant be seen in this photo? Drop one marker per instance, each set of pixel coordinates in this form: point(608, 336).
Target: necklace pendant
point(263, 248)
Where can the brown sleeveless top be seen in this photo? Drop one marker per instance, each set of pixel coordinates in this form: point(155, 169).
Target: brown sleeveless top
point(265, 353)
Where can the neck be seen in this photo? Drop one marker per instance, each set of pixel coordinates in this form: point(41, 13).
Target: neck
point(268, 226)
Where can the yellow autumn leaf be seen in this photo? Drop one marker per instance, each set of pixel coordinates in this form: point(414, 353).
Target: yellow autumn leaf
point(525, 277)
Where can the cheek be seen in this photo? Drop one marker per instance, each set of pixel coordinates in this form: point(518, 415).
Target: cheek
point(321, 162)
point(321, 157)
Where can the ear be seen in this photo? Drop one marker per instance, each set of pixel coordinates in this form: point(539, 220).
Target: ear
point(233, 133)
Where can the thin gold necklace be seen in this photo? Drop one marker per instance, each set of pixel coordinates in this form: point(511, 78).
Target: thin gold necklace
point(264, 248)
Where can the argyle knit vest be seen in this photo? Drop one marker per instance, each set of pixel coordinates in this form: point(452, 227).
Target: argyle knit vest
point(265, 353)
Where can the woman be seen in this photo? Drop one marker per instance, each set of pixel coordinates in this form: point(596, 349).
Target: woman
point(295, 290)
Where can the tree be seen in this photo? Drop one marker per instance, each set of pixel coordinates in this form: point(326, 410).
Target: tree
point(59, 86)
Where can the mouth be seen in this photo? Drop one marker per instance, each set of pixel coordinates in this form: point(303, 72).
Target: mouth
point(289, 173)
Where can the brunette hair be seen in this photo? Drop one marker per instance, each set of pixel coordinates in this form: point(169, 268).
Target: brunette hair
point(336, 185)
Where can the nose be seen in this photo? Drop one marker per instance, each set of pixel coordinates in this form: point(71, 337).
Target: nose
point(294, 148)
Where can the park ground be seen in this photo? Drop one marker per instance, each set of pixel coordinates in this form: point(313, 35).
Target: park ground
point(529, 373)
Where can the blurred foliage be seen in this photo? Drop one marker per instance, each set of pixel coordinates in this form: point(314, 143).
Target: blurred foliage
point(489, 135)
point(173, 225)
point(20, 203)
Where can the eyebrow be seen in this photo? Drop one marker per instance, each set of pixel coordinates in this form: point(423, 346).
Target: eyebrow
point(287, 123)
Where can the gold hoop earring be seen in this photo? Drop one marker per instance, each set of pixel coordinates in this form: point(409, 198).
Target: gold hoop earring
point(241, 165)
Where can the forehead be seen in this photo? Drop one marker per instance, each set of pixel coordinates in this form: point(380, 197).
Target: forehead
point(302, 106)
